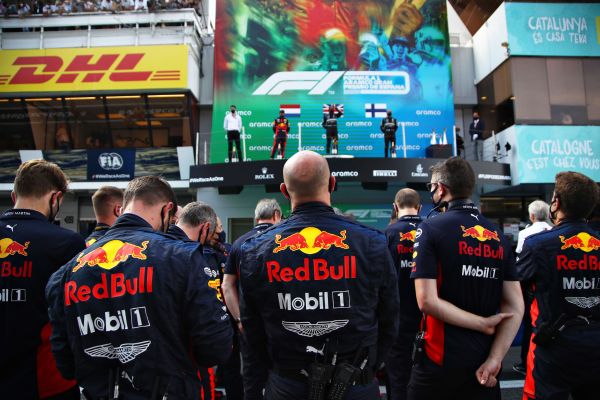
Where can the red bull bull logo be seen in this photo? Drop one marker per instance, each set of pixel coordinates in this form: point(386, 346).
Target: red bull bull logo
point(406, 237)
point(9, 247)
point(110, 254)
point(480, 233)
point(582, 241)
point(310, 240)
point(409, 236)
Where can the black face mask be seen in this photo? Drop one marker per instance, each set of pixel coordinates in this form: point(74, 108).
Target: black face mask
point(389, 114)
point(222, 237)
point(553, 214)
point(164, 227)
point(200, 236)
point(232, 111)
point(51, 215)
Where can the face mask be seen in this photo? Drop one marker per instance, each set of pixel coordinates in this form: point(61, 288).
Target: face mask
point(164, 227)
point(432, 194)
point(553, 214)
point(232, 111)
point(389, 114)
point(222, 237)
point(52, 214)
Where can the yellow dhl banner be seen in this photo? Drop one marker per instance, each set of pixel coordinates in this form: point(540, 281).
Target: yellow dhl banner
point(100, 68)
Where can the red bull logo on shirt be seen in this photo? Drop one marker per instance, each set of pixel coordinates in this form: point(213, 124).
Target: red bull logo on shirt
point(582, 241)
point(110, 254)
point(9, 247)
point(406, 237)
point(310, 240)
point(480, 233)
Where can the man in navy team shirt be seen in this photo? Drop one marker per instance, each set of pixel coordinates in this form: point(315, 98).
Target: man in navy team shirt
point(266, 214)
point(401, 238)
point(464, 274)
point(562, 266)
point(32, 248)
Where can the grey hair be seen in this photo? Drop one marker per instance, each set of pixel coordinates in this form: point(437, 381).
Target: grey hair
point(266, 209)
point(539, 209)
point(197, 213)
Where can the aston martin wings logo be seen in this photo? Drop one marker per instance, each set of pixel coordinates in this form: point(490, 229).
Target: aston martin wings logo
point(584, 302)
point(125, 352)
point(308, 329)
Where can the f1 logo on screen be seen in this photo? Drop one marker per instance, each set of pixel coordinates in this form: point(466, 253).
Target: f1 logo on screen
point(318, 82)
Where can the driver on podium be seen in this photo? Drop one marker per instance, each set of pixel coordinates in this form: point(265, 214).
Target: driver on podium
point(281, 128)
point(330, 124)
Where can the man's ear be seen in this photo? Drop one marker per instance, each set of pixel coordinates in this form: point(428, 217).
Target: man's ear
point(395, 207)
point(331, 184)
point(13, 197)
point(284, 190)
point(419, 209)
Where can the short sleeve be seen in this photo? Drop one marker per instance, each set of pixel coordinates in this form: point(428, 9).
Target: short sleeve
point(525, 264)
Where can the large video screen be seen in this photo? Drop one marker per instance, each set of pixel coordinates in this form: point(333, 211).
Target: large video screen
point(364, 56)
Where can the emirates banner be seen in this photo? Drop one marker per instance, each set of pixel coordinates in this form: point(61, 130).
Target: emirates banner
point(363, 56)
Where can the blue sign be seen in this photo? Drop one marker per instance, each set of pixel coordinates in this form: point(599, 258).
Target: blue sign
point(111, 164)
point(562, 29)
point(544, 151)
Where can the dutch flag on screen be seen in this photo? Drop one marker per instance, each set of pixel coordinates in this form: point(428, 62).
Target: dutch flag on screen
point(291, 110)
point(375, 110)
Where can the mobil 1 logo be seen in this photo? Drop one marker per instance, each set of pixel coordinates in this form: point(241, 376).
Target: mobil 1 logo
point(310, 302)
point(125, 319)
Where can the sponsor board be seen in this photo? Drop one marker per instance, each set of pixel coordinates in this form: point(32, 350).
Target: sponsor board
point(93, 69)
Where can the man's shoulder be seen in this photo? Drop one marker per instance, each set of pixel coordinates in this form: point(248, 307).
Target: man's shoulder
point(541, 237)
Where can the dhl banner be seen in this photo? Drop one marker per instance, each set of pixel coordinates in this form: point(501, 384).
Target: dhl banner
point(95, 69)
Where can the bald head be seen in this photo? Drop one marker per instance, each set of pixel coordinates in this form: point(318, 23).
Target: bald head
point(307, 177)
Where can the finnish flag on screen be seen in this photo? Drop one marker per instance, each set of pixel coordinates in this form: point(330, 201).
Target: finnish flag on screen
point(375, 110)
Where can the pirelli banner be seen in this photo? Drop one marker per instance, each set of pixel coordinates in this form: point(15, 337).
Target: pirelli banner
point(270, 172)
point(95, 69)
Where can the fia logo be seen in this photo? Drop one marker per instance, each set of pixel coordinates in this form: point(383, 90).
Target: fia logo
point(110, 161)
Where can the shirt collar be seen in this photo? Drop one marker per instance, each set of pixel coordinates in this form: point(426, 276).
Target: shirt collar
point(23, 213)
point(312, 207)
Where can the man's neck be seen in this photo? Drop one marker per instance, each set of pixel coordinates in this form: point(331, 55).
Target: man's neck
point(106, 221)
point(149, 214)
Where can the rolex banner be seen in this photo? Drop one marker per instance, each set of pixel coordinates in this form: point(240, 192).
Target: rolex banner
point(363, 56)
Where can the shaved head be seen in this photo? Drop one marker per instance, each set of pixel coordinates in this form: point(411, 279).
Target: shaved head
point(306, 175)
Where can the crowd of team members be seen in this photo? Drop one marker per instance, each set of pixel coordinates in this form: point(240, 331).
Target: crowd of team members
point(311, 307)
